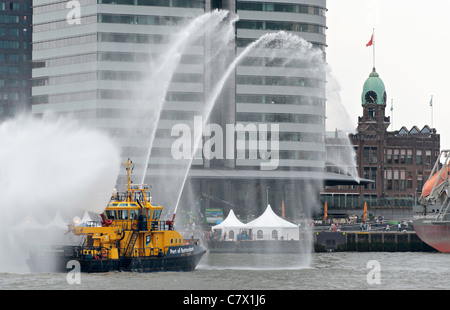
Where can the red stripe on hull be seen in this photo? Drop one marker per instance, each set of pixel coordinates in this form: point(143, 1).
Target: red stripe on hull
point(435, 235)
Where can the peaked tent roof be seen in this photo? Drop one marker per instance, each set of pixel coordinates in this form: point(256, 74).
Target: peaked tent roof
point(230, 221)
point(270, 219)
point(58, 221)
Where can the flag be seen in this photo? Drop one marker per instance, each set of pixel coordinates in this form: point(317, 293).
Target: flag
point(370, 42)
point(431, 101)
point(365, 212)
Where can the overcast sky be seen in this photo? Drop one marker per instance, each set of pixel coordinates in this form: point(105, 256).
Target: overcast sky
point(412, 57)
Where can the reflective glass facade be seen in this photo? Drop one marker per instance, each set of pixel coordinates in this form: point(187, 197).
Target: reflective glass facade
point(90, 69)
point(280, 90)
point(15, 57)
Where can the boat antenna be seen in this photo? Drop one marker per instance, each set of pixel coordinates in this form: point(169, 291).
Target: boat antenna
point(129, 171)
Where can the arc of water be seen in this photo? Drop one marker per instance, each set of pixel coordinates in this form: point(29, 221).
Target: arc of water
point(194, 30)
point(215, 93)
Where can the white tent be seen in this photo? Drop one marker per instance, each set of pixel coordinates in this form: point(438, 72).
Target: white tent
point(270, 226)
point(231, 226)
point(58, 222)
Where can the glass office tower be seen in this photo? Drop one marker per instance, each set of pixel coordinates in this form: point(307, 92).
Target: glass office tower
point(15, 57)
point(89, 67)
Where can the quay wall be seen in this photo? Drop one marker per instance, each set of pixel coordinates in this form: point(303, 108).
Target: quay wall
point(382, 241)
point(327, 241)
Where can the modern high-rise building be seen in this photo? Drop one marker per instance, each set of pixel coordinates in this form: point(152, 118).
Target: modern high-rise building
point(15, 57)
point(281, 91)
point(91, 56)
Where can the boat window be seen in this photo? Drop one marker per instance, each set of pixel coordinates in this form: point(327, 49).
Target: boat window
point(111, 214)
point(156, 214)
point(139, 196)
point(122, 214)
point(123, 205)
point(134, 214)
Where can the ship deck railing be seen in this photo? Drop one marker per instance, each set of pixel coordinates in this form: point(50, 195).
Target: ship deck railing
point(154, 225)
point(82, 251)
point(142, 252)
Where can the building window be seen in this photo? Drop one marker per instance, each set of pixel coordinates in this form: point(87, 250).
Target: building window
point(396, 157)
point(388, 178)
point(9, 44)
point(14, 6)
point(409, 183)
point(9, 19)
point(280, 25)
point(419, 183)
point(428, 157)
point(371, 173)
point(366, 155)
point(374, 155)
point(373, 177)
point(419, 157)
point(13, 57)
point(370, 155)
point(389, 156)
point(409, 157)
point(281, 7)
point(402, 157)
point(14, 31)
point(402, 180)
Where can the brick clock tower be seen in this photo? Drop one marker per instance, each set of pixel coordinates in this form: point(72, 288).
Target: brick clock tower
point(398, 161)
point(370, 140)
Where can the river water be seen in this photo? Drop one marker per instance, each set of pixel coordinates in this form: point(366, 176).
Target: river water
point(325, 271)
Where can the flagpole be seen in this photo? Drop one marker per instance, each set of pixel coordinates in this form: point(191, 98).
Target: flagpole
point(392, 114)
point(431, 105)
point(373, 44)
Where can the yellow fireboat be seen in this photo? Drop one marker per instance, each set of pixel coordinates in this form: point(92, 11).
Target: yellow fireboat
point(130, 237)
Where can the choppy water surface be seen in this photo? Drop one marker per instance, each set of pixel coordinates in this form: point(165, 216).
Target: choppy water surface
point(346, 270)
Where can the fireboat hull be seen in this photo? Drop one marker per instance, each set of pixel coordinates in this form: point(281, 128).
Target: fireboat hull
point(65, 259)
point(434, 233)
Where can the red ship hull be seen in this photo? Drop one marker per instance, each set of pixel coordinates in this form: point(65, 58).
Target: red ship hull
point(434, 233)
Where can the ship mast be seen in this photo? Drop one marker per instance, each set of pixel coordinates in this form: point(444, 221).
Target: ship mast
point(128, 176)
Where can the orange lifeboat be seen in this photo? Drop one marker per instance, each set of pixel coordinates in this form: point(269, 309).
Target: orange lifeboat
point(428, 186)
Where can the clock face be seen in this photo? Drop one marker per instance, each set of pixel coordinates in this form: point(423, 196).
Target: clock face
point(371, 97)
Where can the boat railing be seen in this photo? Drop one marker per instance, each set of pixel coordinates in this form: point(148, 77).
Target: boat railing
point(135, 195)
point(90, 252)
point(153, 225)
point(142, 252)
point(164, 225)
point(93, 224)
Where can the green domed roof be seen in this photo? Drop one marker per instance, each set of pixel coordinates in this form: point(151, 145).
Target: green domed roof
point(373, 90)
